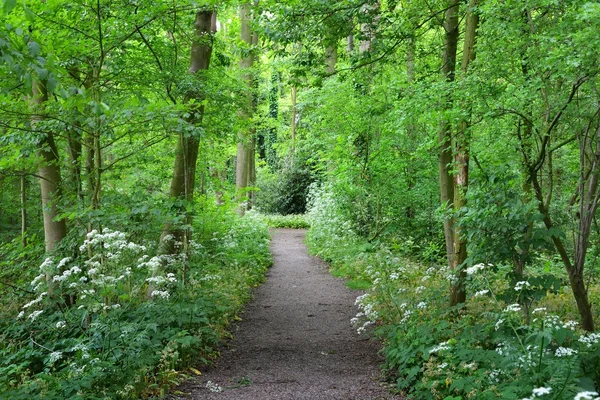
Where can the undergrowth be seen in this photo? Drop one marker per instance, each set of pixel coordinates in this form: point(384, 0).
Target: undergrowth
point(514, 338)
point(294, 221)
point(90, 327)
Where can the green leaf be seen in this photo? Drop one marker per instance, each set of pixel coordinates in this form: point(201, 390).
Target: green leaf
point(8, 6)
point(29, 14)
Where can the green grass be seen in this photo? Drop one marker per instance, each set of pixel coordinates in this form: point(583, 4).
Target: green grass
point(295, 221)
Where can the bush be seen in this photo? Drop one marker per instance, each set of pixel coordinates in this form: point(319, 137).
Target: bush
point(285, 190)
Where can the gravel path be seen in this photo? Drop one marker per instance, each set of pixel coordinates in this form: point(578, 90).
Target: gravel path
point(295, 340)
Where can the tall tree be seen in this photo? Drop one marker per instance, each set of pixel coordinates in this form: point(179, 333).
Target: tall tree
point(246, 140)
point(445, 134)
point(461, 163)
point(186, 152)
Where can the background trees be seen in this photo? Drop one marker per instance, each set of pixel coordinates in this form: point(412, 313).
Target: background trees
point(376, 111)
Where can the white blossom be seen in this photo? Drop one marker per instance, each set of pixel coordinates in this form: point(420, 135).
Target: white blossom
point(519, 286)
point(586, 396)
point(54, 357)
point(160, 293)
point(213, 387)
point(440, 347)
point(541, 391)
point(475, 268)
point(513, 307)
point(565, 352)
point(35, 314)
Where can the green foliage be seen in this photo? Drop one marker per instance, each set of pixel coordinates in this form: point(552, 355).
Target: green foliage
point(284, 191)
point(508, 341)
point(293, 221)
point(95, 329)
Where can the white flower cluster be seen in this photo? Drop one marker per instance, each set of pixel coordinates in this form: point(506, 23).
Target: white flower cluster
point(213, 387)
point(440, 347)
point(590, 339)
point(539, 392)
point(476, 267)
point(367, 314)
point(586, 396)
point(163, 294)
point(109, 240)
point(565, 352)
point(522, 284)
point(513, 308)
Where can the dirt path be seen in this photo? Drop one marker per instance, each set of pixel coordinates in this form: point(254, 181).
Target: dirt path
point(295, 340)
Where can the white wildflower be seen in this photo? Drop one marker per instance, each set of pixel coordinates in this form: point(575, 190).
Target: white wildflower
point(213, 387)
point(475, 268)
point(521, 284)
point(513, 307)
point(537, 310)
point(419, 289)
point(541, 391)
point(422, 305)
point(590, 339)
point(570, 325)
point(565, 352)
point(481, 293)
point(35, 314)
point(160, 293)
point(61, 324)
point(498, 324)
point(54, 357)
point(586, 396)
point(440, 347)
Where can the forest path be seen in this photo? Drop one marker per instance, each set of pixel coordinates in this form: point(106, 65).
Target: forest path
point(295, 340)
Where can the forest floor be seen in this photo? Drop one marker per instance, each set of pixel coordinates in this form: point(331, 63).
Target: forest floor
point(295, 340)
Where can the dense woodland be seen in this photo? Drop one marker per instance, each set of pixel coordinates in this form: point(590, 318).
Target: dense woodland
point(445, 153)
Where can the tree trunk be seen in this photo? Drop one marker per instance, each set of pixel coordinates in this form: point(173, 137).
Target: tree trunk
point(186, 152)
point(55, 228)
point(445, 135)
point(23, 210)
point(245, 151)
point(331, 56)
point(461, 164)
point(294, 116)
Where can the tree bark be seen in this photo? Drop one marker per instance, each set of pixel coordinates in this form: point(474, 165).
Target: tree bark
point(461, 164)
point(245, 151)
point(186, 152)
point(445, 135)
point(55, 228)
point(331, 56)
point(23, 210)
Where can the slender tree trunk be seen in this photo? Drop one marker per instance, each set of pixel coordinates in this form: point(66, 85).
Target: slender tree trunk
point(445, 135)
point(294, 116)
point(331, 56)
point(245, 151)
point(186, 152)
point(55, 228)
point(461, 164)
point(23, 210)
point(368, 30)
point(411, 127)
point(75, 148)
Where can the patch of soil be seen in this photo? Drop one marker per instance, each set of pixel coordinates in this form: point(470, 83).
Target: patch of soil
point(295, 340)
